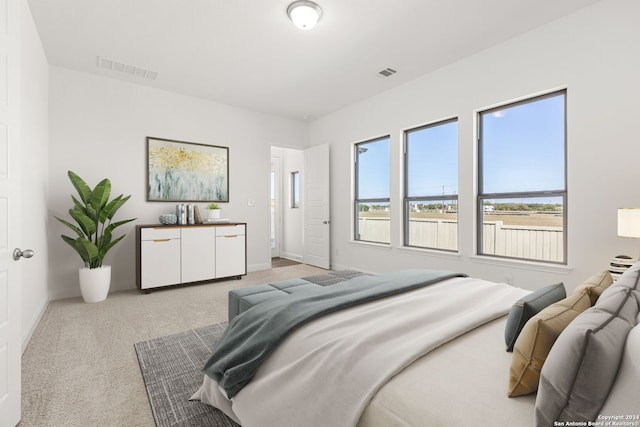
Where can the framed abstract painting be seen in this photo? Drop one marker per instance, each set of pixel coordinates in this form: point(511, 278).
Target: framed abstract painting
point(180, 171)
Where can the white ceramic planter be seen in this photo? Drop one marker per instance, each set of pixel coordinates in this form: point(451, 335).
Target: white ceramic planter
point(213, 213)
point(95, 283)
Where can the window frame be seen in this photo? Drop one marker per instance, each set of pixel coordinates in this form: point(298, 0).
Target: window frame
point(406, 201)
point(481, 196)
point(357, 201)
point(295, 190)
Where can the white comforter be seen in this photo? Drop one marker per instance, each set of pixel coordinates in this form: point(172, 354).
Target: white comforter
point(325, 373)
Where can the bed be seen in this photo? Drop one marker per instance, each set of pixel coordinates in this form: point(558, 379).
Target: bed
point(439, 367)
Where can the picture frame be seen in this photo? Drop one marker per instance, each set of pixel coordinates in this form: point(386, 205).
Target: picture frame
point(179, 171)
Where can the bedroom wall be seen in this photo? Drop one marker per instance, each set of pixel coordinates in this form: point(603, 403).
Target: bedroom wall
point(98, 127)
point(591, 53)
point(34, 132)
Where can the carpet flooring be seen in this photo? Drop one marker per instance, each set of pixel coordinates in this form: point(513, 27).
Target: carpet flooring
point(80, 367)
point(171, 368)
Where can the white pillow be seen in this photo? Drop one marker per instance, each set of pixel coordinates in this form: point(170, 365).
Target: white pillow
point(623, 398)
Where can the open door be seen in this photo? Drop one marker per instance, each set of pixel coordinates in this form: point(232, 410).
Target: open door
point(10, 226)
point(317, 230)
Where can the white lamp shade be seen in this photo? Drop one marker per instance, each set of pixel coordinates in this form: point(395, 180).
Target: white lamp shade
point(629, 222)
point(304, 14)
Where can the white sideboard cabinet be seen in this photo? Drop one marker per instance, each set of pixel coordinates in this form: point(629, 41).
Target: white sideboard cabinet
point(168, 255)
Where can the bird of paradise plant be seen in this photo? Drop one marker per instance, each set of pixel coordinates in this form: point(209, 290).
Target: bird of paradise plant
point(93, 214)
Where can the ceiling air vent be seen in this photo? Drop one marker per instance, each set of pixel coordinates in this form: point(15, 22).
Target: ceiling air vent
point(132, 70)
point(387, 72)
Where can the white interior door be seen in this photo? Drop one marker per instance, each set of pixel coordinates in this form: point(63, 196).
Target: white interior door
point(10, 205)
point(317, 231)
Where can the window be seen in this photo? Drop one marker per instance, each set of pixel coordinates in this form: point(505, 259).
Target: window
point(522, 193)
point(431, 186)
point(295, 190)
point(372, 191)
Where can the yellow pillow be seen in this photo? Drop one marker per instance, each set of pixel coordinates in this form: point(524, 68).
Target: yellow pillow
point(536, 339)
point(595, 285)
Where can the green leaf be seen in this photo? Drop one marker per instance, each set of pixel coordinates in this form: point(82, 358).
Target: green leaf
point(87, 251)
point(103, 240)
point(106, 249)
point(81, 187)
point(86, 224)
point(86, 209)
point(72, 242)
point(71, 226)
point(100, 195)
point(77, 203)
point(91, 213)
point(109, 229)
point(113, 206)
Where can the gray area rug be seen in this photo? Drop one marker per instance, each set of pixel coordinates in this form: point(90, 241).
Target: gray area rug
point(172, 370)
point(333, 277)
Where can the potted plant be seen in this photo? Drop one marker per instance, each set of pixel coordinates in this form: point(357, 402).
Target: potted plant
point(93, 214)
point(214, 211)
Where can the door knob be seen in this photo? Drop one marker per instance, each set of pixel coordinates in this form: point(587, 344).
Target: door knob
point(17, 253)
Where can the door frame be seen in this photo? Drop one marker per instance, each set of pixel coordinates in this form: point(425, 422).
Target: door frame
point(275, 211)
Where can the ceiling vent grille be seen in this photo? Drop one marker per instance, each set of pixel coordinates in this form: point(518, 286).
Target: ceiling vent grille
point(131, 70)
point(387, 72)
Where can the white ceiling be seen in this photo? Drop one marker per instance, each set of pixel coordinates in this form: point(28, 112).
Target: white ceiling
point(248, 54)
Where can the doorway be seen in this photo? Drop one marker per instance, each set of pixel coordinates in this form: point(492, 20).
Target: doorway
point(286, 208)
point(300, 205)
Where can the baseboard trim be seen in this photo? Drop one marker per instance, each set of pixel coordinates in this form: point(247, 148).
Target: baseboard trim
point(338, 267)
point(33, 325)
point(291, 256)
point(258, 267)
point(64, 293)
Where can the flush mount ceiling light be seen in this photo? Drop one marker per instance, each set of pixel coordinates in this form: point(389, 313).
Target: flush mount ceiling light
point(304, 14)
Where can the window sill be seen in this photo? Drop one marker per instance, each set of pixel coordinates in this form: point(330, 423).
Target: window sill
point(386, 246)
point(522, 264)
point(431, 252)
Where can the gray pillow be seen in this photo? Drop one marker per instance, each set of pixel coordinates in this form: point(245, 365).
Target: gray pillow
point(527, 307)
point(629, 279)
point(582, 364)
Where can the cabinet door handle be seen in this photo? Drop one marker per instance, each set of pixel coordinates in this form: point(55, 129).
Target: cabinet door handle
point(161, 240)
point(230, 236)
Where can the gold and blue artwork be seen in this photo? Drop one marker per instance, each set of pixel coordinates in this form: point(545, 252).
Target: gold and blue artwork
point(186, 171)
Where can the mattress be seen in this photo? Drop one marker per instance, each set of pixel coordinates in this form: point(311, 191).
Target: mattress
point(461, 383)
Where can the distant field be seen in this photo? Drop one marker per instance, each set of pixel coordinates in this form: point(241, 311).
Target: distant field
point(508, 218)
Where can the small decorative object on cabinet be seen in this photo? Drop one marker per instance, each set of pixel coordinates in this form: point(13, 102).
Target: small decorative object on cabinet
point(213, 211)
point(619, 264)
point(175, 255)
point(169, 219)
point(93, 214)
